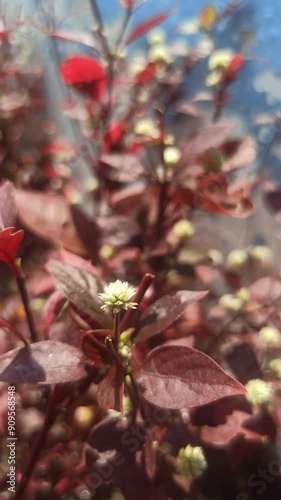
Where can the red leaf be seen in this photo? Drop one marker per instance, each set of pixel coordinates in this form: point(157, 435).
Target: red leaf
point(9, 243)
point(242, 207)
point(164, 312)
point(144, 77)
point(146, 26)
point(46, 362)
point(234, 66)
point(83, 38)
point(176, 377)
point(127, 4)
point(111, 390)
point(93, 345)
point(81, 69)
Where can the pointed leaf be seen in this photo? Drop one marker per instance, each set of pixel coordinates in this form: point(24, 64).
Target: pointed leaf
point(127, 4)
point(49, 217)
point(209, 136)
point(240, 207)
point(46, 362)
point(164, 312)
point(147, 25)
point(111, 390)
point(81, 288)
point(176, 377)
point(9, 243)
point(82, 38)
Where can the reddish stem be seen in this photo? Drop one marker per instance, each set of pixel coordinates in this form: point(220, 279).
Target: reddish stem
point(143, 287)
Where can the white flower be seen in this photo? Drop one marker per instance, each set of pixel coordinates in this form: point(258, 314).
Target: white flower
point(117, 296)
point(258, 392)
point(191, 461)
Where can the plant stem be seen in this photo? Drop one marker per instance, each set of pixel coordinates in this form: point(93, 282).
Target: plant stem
point(100, 28)
point(126, 20)
point(49, 419)
point(25, 300)
point(116, 330)
point(131, 388)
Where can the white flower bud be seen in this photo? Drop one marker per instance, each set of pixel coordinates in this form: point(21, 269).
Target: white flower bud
point(183, 229)
point(236, 258)
point(191, 461)
point(258, 392)
point(117, 296)
point(270, 335)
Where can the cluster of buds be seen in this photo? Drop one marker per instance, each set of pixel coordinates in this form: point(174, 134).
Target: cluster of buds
point(235, 302)
point(237, 258)
point(259, 392)
point(183, 229)
point(275, 366)
point(117, 296)
point(270, 335)
point(191, 461)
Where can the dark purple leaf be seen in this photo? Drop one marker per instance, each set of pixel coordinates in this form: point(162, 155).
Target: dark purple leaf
point(164, 312)
point(46, 362)
point(147, 25)
point(135, 484)
point(117, 230)
point(81, 288)
point(176, 377)
point(7, 205)
point(243, 362)
point(112, 445)
point(230, 431)
point(111, 390)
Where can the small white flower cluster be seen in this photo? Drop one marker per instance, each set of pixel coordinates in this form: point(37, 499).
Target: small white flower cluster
point(191, 461)
point(117, 296)
point(258, 392)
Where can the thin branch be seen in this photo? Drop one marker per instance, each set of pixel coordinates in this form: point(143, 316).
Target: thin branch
point(25, 300)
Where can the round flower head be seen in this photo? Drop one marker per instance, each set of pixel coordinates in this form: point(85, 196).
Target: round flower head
point(117, 296)
point(258, 392)
point(191, 461)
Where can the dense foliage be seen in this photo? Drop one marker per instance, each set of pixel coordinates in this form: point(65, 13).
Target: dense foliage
point(144, 364)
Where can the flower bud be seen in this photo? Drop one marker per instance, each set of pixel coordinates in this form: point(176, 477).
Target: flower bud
point(171, 155)
point(258, 392)
point(183, 229)
point(237, 258)
point(275, 366)
point(231, 302)
point(106, 252)
point(191, 461)
point(270, 335)
point(243, 294)
point(117, 296)
point(262, 253)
